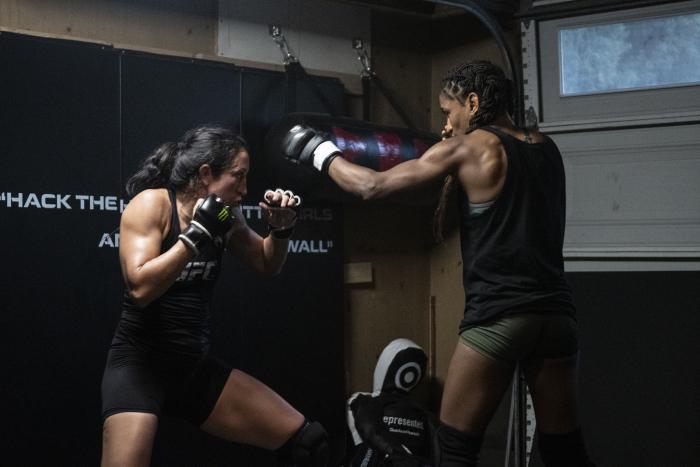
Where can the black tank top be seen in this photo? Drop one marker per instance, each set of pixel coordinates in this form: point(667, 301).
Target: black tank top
point(178, 321)
point(512, 252)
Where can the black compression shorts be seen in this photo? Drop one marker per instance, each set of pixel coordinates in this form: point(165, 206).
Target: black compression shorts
point(132, 383)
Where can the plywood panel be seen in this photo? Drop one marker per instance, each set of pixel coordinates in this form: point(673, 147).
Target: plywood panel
point(393, 240)
point(319, 33)
point(162, 24)
point(446, 286)
point(401, 61)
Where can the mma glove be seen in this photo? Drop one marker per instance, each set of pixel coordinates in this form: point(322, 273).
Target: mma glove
point(284, 230)
point(281, 220)
point(210, 223)
point(307, 146)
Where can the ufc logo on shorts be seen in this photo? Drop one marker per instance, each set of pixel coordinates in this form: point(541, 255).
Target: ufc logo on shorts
point(202, 270)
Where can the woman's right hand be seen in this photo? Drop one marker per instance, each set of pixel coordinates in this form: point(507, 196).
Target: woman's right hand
point(211, 221)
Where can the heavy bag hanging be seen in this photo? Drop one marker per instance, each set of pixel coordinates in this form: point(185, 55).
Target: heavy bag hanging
point(377, 147)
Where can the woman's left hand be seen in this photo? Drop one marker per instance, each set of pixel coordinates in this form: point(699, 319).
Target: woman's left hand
point(280, 208)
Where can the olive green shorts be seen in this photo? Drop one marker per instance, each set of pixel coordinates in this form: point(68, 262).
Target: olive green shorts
point(523, 336)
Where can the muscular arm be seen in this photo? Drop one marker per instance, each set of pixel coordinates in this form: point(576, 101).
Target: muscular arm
point(148, 273)
point(437, 162)
point(265, 255)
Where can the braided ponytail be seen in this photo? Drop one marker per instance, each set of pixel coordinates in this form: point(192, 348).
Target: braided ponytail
point(441, 209)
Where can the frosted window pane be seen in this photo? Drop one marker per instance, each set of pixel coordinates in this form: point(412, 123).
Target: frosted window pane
point(632, 55)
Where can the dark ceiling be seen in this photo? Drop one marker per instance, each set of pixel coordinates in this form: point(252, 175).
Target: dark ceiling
point(498, 8)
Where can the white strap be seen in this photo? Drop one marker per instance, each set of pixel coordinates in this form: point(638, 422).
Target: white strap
point(189, 244)
point(323, 152)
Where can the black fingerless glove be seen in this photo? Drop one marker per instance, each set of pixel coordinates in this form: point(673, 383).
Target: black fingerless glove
point(210, 223)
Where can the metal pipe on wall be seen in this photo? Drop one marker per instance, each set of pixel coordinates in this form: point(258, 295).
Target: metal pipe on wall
point(494, 28)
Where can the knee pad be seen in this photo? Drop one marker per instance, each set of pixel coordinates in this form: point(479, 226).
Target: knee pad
point(563, 449)
point(308, 447)
point(453, 448)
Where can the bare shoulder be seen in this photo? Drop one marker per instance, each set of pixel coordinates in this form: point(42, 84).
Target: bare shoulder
point(486, 148)
point(483, 175)
point(152, 200)
point(471, 147)
point(148, 208)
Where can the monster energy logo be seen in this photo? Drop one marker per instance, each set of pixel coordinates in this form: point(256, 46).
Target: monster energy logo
point(223, 214)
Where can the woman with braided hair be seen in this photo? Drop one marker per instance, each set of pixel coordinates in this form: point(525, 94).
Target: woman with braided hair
point(519, 309)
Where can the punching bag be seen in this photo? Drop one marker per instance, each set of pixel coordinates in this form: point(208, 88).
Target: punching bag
point(377, 147)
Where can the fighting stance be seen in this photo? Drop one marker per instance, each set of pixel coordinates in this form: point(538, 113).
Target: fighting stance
point(172, 236)
point(389, 428)
point(519, 308)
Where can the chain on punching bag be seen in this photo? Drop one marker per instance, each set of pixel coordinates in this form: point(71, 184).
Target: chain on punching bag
point(377, 147)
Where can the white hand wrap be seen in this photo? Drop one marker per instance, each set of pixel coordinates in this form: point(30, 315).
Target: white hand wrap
point(323, 152)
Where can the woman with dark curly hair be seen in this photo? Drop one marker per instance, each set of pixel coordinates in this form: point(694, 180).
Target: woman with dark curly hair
point(184, 214)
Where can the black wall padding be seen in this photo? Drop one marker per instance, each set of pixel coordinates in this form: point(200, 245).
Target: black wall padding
point(162, 97)
point(60, 141)
point(640, 367)
point(76, 120)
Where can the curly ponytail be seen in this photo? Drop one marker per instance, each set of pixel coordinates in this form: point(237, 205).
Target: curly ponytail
point(155, 170)
point(176, 165)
